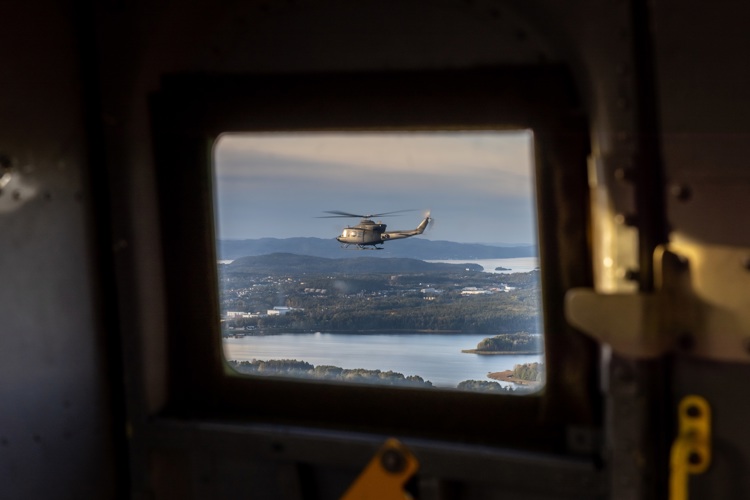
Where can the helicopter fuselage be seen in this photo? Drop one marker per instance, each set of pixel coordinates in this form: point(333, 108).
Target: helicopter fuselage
point(366, 232)
point(370, 233)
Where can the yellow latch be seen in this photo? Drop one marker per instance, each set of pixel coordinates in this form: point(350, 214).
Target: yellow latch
point(691, 451)
point(386, 474)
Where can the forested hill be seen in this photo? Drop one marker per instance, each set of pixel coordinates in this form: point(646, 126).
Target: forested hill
point(288, 263)
point(415, 248)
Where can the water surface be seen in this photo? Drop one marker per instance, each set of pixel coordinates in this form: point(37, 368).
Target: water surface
point(434, 357)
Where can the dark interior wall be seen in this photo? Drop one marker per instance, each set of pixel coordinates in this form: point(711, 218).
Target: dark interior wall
point(55, 433)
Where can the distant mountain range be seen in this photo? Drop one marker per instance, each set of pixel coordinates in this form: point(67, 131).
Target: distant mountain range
point(299, 264)
point(414, 248)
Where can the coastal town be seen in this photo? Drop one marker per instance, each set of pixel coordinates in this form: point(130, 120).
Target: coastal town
point(440, 300)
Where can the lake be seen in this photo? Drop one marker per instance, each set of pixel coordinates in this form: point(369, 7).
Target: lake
point(434, 357)
point(511, 265)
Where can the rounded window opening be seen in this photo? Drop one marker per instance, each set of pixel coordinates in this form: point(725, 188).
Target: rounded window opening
point(395, 258)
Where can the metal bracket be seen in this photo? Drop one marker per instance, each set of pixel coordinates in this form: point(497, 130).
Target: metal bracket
point(691, 451)
point(700, 307)
point(635, 325)
point(386, 474)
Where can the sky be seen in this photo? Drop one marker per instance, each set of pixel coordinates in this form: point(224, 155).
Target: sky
point(477, 185)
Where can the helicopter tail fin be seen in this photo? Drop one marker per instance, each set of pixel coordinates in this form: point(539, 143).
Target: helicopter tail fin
point(397, 235)
point(425, 222)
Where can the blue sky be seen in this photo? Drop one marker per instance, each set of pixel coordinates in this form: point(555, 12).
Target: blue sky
point(478, 185)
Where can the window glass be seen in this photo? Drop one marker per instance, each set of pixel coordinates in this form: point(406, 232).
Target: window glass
point(447, 295)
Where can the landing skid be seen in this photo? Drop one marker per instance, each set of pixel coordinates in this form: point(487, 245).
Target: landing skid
point(360, 247)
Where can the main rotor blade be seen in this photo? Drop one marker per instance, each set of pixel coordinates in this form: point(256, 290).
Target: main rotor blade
point(339, 213)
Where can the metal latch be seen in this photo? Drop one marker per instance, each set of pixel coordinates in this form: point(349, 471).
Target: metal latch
point(691, 451)
point(700, 307)
point(643, 325)
point(386, 474)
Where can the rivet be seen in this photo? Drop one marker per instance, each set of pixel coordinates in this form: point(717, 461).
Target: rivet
point(680, 192)
point(624, 174)
point(695, 458)
point(686, 342)
point(626, 219)
point(632, 275)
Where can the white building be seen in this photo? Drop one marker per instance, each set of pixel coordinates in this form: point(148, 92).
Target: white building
point(281, 310)
point(240, 314)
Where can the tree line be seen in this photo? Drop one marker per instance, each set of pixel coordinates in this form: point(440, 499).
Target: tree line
point(521, 342)
point(303, 369)
point(295, 368)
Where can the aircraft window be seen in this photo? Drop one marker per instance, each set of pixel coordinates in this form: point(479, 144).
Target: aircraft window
point(447, 297)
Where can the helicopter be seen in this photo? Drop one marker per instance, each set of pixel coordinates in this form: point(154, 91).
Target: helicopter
point(369, 233)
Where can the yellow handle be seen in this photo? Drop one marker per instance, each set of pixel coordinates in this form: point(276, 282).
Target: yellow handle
point(691, 451)
point(386, 474)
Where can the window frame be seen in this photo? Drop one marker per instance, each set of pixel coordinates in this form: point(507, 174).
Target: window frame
point(190, 111)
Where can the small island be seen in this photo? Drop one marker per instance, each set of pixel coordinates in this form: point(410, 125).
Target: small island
point(500, 268)
point(509, 343)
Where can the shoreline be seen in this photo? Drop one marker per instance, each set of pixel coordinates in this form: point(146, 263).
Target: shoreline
point(286, 331)
point(507, 376)
point(492, 353)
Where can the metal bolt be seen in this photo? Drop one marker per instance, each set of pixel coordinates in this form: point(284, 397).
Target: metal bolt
point(393, 461)
point(680, 192)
